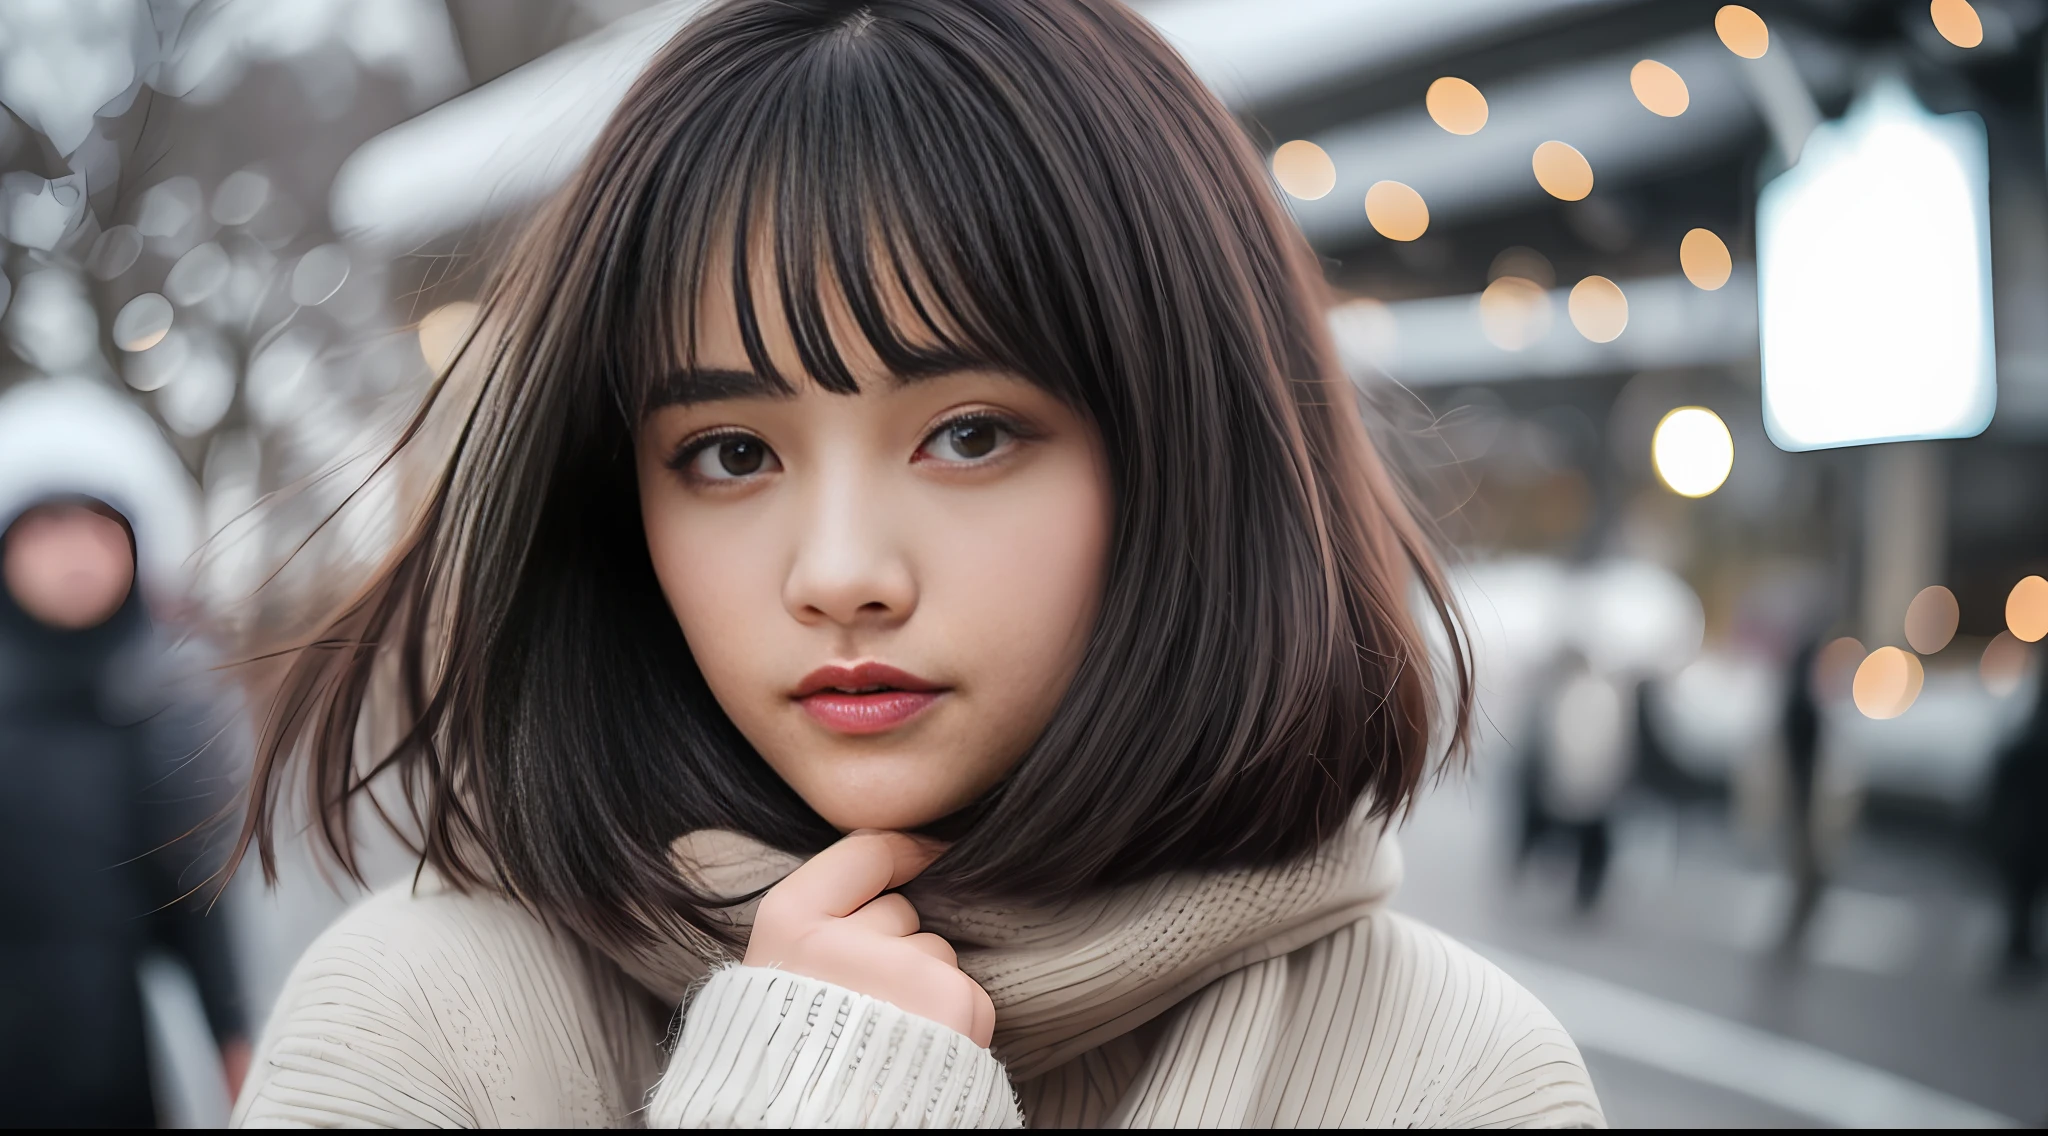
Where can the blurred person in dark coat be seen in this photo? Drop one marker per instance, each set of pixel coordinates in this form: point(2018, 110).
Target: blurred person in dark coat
point(106, 778)
point(1800, 727)
point(2016, 828)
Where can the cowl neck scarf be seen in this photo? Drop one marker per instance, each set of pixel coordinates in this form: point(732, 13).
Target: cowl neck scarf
point(1072, 976)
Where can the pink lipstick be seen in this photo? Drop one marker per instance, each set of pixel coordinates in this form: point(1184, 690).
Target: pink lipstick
point(866, 698)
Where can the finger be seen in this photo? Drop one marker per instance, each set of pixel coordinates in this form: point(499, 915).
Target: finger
point(890, 915)
point(983, 1030)
point(922, 851)
point(861, 866)
point(948, 996)
point(930, 944)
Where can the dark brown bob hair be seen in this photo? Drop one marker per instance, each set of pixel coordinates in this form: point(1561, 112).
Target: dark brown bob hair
point(1058, 196)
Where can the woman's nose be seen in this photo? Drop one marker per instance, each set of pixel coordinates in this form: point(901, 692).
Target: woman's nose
point(850, 568)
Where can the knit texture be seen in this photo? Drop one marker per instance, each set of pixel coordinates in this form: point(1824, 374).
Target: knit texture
point(439, 1010)
point(1282, 997)
point(1068, 977)
point(766, 1049)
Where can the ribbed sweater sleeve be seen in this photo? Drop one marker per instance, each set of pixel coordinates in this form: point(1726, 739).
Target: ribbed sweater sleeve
point(449, 1011)
point(763, 1048)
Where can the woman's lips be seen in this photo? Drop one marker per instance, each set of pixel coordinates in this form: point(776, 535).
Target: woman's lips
point(873, 713)
point(864, 698)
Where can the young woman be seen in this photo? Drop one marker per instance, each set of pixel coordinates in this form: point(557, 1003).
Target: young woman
point(907, 476)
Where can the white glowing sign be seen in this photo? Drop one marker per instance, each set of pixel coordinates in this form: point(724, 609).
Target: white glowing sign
point(1874, 280)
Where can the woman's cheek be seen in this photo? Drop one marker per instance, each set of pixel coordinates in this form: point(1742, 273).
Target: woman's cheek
point(1035, 580)
point(694, 561)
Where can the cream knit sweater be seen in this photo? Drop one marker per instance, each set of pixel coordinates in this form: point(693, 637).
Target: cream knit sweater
point(1283, 997)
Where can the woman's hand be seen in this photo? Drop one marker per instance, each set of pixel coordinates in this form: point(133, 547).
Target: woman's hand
point(234, 1065)
point(829, 920)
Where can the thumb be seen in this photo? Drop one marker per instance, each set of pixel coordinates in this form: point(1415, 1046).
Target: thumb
point(861, 866)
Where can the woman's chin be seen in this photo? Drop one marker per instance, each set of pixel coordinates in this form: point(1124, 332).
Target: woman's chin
point(897, 819)
point(900, 804)
point(910, 785)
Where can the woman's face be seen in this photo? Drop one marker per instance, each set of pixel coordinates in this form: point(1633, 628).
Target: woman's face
point(888, 592)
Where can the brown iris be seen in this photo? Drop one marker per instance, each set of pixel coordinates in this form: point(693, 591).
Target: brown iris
point(741, 456)
point(974, 439)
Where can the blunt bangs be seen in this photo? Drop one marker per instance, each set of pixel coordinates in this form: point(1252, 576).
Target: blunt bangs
point(868, 169)
point(1037, 186)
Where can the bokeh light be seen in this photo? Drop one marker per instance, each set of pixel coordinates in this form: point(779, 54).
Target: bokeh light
point(442, 330)
point(319, 275)
point(1887, 683)
point(1599, 310)
point(1562, 171)
point(202, 394)
point(1957, 22)
point(1304, 170)
point(1367, 325)
point(1931, 619)
point(1835, 665)
point(114, 252)
point(142, 322)
point(2026, 610)
point(2004, 665)
point(1514, 312)
point(1743, 31)
point(154, 368)
point(1396, 211)
point(1692, 451)
point(241, 196)
point(1660, 89)
point(1525, 262)
point(197, 275)
point(1456, 105)
point(1704, 258)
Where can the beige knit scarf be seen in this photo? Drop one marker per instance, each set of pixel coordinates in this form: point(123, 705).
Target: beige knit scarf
point(1068, 978)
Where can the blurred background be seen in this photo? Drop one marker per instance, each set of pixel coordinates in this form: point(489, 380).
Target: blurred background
point(1714, 338)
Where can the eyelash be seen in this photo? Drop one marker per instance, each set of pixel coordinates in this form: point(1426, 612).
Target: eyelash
point(687, 451)
point(1017, 431)
point(690, 449)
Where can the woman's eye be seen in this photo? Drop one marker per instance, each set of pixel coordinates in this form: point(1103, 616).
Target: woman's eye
point(731, 458)
point(968, 439)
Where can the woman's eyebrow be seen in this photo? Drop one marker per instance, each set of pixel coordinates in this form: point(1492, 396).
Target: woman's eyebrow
point(711, 384)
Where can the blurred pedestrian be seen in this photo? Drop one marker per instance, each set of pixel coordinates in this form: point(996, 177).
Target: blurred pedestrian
point(2016, 830)
point(104, 768)
point(1801, 734)
point(1580, 757)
